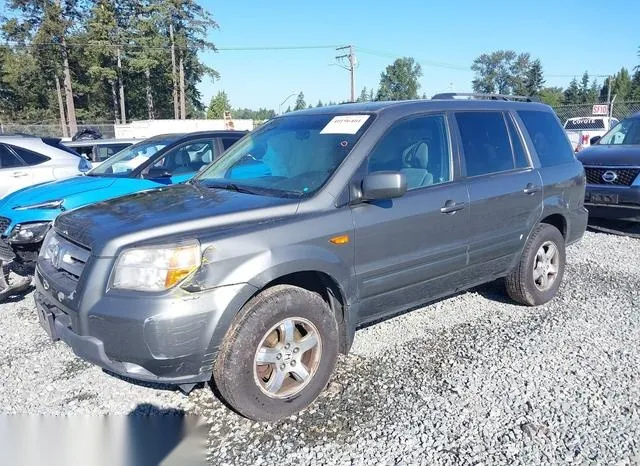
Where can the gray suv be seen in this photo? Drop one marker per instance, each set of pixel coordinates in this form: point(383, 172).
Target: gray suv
point(256, 274)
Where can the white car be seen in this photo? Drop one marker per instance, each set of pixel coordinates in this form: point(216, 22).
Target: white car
point(28, 160)
point(581, 130)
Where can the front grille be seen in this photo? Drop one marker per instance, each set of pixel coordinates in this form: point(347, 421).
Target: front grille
point(4, 224)
point(69, 258)
point(623, 176)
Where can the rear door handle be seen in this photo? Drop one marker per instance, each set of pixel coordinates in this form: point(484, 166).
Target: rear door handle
point(531, 189)
point(19, 174)
point(451, 207)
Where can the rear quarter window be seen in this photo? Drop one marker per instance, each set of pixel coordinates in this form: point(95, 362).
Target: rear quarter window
point(29, 157)
point(549, 139)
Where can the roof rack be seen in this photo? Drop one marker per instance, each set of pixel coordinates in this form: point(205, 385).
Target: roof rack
point(453, 95)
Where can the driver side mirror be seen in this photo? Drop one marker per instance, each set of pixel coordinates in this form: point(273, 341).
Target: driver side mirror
point(383, 185)
point(158, 172)
point(594, 139)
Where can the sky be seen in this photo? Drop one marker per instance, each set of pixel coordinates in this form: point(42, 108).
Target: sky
point(443, 36)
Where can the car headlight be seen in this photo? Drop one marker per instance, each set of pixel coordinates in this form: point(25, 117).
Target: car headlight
point(41, 205)
point(50, 246)
point(156, 268)
point(27, 233)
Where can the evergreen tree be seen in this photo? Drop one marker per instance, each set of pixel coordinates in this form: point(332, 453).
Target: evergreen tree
point(534, 80)
point(218, 105)
point(300, 103)
point(572, 93)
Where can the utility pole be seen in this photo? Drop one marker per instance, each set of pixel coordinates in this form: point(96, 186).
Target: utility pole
point(174, 74)
point(351, 58)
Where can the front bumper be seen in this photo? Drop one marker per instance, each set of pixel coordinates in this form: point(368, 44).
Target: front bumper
point(169, 339)
point(613, 202)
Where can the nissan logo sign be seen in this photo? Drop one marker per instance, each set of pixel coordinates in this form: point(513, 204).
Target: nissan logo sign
point(609, 176)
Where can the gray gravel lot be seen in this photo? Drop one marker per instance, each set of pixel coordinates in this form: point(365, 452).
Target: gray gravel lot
point(472, 379)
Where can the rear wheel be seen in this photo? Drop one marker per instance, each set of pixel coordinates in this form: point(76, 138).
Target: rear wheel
point(538, 275)
point(278, 354)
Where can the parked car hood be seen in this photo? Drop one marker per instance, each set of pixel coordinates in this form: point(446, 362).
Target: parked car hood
point(55, 190)
point(612, 155)
point(170, 211)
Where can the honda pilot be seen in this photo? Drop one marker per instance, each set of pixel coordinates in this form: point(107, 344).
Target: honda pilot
point(255, 274)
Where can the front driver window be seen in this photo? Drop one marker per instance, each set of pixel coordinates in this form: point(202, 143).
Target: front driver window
point(188, 158)
point(419, 148)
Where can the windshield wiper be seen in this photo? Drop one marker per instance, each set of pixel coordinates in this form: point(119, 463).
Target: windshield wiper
point(230, 187)
point(256, 190)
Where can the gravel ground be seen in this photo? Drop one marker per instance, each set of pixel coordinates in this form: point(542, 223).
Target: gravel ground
point(472, 379)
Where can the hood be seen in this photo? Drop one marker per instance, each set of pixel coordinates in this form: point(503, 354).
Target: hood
point(613, 155)
point(165, 212)
point(55, 190)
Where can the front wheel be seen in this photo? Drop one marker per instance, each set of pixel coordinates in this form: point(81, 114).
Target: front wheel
point(537, 277)
point(278, 354)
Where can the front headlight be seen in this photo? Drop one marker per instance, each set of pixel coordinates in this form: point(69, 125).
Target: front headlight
point(156, 268)
point(41, 205)
point(27, 233)
point(49, 246)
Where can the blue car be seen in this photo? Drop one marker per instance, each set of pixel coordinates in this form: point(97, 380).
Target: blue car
point(26, 215)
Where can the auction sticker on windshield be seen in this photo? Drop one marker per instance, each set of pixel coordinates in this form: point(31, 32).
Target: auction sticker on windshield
point(345, 124)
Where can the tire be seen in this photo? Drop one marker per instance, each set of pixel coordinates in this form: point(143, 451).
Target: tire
point(249, 386)
point(527, 286)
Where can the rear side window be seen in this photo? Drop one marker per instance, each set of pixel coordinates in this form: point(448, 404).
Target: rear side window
point(485, 141)
point(30, 158)
point(8, 159)
point(548, 138)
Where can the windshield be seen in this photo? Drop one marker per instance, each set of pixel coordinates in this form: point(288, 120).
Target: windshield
point(127, 160)
point(291, 156)
point(627, 132)
point(584, 123)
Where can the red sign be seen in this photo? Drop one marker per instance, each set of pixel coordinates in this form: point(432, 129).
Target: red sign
point(600, 109)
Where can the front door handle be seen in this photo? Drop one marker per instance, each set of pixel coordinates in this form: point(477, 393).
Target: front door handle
point(19, 174)
point(451, 207)
point(531, 189)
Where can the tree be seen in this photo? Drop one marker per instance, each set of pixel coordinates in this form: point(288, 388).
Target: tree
point(572, 93)
point(187, 25)
point(48, 23)
point(218, 105)
point(502, 72)
point(399, 81)
point(319, 104)
point(300, 103)
point(246, 113)
point(635, 86)
point(621, 85)
point(552, 96)
point(371, 95)
point(104, 36)
point(534, 79)
point(364, 95)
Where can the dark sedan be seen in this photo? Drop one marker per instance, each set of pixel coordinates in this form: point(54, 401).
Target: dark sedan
point(612, 166)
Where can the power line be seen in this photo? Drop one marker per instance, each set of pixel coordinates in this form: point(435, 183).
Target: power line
point(364, 50)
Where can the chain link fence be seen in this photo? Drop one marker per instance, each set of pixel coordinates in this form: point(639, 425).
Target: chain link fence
point(620, 110)
point(50, 129)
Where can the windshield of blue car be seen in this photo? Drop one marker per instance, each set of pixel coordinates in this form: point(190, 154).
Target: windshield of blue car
point(291, 156)
point(627, 132)
point(127, 160)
